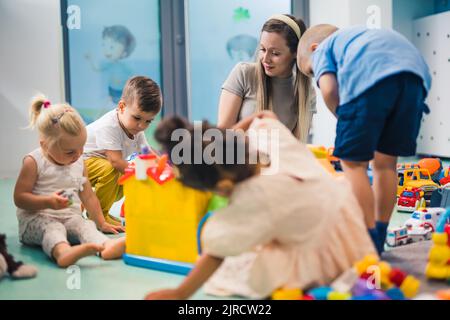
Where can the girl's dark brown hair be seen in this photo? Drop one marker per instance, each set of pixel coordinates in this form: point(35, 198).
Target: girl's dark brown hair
point(201, 175)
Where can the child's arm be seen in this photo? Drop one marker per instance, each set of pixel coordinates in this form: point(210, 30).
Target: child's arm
point(116, 160)
point(203, 269)
point(25, 199)
point(92, 205)
point(94, 66)
point(330, 91)
point(245, 123)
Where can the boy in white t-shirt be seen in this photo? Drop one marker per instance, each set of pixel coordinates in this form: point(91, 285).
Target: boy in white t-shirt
point(116, 136)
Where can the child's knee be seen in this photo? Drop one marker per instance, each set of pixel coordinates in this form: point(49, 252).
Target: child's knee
point(384, 162)
point(52, 237)
point(101, 169)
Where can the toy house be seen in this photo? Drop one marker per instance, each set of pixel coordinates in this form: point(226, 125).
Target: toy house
point(162, 216)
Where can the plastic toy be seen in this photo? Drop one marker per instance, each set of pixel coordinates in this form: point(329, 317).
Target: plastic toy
point(416, 178)
point(441, 197)
point(434, 167)
point(425, 218)
point(397, 236)
point(443, 294)
point(287, 294)
point(410, 200)
point(360, 283)
point(438, 266)
point(320, 293)
point(389, 277)
point(322, 155)
point(418, 227)
point(445, 177)
point(68, 195)
point(162, 216)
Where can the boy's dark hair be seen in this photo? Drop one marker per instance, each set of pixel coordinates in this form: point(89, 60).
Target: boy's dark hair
point(145, 92)
point(203, 176)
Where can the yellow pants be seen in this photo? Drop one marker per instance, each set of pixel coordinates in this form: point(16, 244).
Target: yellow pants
point(104, 179)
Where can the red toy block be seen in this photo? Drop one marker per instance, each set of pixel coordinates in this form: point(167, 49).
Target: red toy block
point(397, 277)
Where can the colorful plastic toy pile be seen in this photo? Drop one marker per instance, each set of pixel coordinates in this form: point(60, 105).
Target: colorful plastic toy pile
point(369, 279)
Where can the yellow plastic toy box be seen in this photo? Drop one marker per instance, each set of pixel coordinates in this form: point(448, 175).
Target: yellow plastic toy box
point(162, 217)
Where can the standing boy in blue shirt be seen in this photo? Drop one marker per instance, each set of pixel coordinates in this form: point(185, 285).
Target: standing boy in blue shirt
point(375, 82)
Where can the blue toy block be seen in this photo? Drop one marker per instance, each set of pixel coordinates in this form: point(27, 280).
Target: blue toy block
point(158, 264)
point(320, 293)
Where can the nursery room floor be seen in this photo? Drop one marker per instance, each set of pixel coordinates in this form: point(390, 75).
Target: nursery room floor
point(98, 279)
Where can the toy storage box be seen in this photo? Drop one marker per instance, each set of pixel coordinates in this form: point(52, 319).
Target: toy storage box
point(162, 218)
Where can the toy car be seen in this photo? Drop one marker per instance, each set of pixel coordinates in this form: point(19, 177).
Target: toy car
point(397, 237)
point(425, 218)
point(434, 167)
point(411, 199)
point(416, 178)
point(407, 234)
point(419, 233)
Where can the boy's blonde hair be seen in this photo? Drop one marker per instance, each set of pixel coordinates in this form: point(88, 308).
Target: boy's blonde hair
point(315, 34)
point(53, 120)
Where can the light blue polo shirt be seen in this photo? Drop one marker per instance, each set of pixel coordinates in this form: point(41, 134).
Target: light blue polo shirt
point(361, 57)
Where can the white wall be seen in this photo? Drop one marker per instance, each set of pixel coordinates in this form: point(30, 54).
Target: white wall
point(30, 62)
point(405, 11)
point(325, 11)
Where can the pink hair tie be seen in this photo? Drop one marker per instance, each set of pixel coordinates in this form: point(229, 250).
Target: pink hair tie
point(47, 104)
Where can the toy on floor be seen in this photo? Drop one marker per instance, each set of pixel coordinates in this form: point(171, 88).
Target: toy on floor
point(326, 159)
point(416, 178)
point(369, 279)
point(445, 177)
point(441, 197)
point(162, 216)
point(17, 270)
point(410, 200)
point(419, 227)
point(434, 167)
point(438, 266)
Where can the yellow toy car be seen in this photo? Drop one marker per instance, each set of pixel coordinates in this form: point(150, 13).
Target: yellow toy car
point(416, 178)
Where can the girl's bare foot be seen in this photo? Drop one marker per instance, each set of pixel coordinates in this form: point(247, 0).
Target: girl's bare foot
point(67, 255)
point(114, 248)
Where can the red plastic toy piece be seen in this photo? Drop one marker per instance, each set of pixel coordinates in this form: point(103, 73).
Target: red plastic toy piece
point(397, 277)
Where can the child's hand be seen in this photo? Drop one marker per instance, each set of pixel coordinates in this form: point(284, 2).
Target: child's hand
point(168, 294)
point(266, 115)
point(58, 202)
point(109, 228)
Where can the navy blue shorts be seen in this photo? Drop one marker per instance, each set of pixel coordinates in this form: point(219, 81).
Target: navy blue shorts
point(386, 118)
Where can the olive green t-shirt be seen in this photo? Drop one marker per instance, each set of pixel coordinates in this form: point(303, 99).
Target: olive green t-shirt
point(242, 82)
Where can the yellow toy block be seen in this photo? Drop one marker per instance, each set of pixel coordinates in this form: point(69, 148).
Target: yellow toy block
point(410, 287)
point(162, 215)
point(363, 265)
point(287, 294)
point(339, 296)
